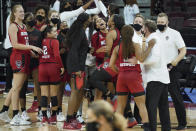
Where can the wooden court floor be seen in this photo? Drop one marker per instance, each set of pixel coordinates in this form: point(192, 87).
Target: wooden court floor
point(36, 126)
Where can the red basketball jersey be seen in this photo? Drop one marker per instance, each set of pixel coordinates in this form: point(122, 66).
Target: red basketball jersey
point(50, 52)
point(116, 42)
point(23, 38)
point(124, 65)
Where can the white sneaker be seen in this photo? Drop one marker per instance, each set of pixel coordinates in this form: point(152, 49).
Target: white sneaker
point(80, 119)
point(4, 117)
point(24, 122)
point(19, 121)
point(60, 117)
point(39, 116)
point(25, 116)
point(16, 120)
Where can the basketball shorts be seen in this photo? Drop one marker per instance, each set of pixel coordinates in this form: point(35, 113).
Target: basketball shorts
point(130, 81)
point(49, 74)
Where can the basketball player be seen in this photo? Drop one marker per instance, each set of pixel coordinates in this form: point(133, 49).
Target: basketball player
point(50, 70)
point(105, 73)
point(20, 59)
point(129, 77)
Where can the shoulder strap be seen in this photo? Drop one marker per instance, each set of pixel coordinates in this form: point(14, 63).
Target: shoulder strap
point(119, 43)
point(117, 34)
point(98, 38)
point(16, 25)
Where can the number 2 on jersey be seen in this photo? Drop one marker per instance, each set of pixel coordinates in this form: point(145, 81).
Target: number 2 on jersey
point(45, 50)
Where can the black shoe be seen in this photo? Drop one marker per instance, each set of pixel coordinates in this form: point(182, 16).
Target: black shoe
point(180, 127)
point(146, 127)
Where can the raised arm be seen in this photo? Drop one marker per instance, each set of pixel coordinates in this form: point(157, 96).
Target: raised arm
point(101, 7)
point(142, 54)
point(87, 4)
point(70, 14)
point(94, 11)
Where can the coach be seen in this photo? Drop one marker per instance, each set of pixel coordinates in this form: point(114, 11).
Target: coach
point(175, 50)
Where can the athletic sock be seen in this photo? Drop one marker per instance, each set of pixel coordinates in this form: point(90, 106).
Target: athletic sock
point(23, 109)
point(54, 112)
point(15, 112)
point(35, 98)
point(44, 113)
point(128, 114)
point(75, 114)
point(59, 110)
point(5, 108)
point(69, 117)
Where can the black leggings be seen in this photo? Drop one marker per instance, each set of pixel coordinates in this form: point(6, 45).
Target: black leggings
point(98, 78)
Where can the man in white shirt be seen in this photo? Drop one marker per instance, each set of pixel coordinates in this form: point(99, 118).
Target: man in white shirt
point(157, 78)
point(172, 44)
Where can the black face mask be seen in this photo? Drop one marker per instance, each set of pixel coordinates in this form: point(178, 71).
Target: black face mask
point(161, 27)
point(31, 23)
point(64, 31)
point(92, 126)
point(55, 20)
point(39, 18)
point(137, 27)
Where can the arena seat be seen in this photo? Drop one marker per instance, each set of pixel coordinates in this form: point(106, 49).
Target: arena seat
point(176, 20)
point(190, 22)
point(186, 68)
point(191, 7)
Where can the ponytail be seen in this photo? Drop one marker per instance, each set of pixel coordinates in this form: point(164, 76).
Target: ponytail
point(12, 16)
point(128, 49)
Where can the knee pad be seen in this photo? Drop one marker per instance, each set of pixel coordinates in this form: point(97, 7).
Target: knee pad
point(44, 101)
point(54, 101)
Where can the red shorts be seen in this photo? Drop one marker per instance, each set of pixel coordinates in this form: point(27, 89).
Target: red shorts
point(106, 67)
point(49, 74)
point(20, 62)
point(65, 77)
point(130, 81)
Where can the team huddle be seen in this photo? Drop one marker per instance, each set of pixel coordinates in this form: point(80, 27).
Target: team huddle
point(104, 58)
